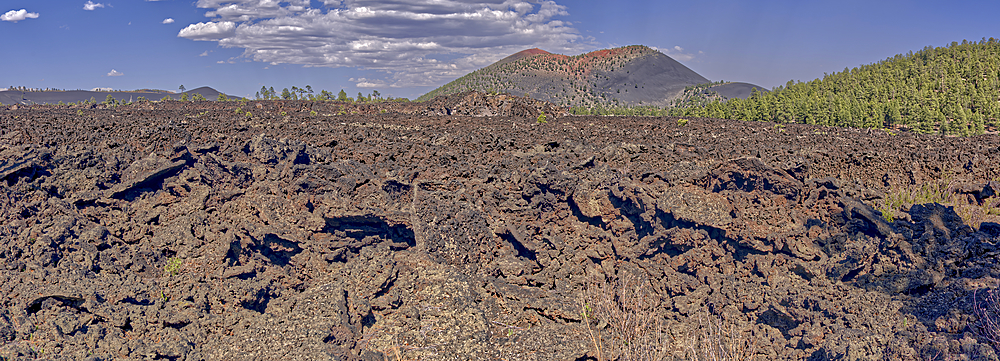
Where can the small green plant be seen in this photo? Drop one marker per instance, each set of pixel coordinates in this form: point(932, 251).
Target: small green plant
point(313, 113)
point(249, 115)
point(682, 122)
point(239, 110)
point(166, 98)
point(173, 266)
point(79, 112)
point(588, 314)
point(542, 118)
point(283, 114)
point(887, 213)
point(184, 97)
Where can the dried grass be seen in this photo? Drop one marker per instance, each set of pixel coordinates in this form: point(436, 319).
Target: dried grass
point(627, 311)
point(720, 341)
point(988, 311)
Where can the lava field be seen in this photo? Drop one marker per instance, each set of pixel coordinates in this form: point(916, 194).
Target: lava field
point(466, 229)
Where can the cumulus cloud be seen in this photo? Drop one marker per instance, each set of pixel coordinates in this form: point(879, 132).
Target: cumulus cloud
point(18, 15)
point(415, 43)
point(168, 21)
point(209, 31)
point(90, 6)
point(204, 54)
point(115, 73)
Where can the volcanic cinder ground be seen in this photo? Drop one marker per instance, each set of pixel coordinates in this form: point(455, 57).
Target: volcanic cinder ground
point(306, 230)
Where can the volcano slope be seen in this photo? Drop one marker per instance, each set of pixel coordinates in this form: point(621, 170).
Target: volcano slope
point(191, 231)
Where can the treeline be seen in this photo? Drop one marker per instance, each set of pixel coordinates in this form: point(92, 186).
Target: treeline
point(307, 93)
point(947, 90)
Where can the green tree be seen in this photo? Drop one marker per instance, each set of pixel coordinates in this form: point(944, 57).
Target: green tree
point(978, 125)
point(285, 94)
point(342, 96)
point(184, 97)
point(181, 88)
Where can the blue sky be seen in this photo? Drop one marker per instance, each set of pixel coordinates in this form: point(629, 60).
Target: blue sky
point(405, 48)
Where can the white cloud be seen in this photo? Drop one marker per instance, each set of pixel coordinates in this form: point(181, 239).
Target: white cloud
point(208, 31)
point(677, 53)
point(18, 15)
point(90, 5)
point(115, 73)
point(368, 83)
point(415, 43)
point(204, 54)
point(168, 21)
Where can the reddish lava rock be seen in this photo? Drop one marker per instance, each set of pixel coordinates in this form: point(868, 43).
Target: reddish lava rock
point(304, 230)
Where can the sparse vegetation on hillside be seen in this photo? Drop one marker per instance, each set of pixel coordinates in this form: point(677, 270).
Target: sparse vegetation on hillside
point(560, 79)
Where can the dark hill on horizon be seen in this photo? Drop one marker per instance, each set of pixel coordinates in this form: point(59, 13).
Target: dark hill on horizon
point(626, 76)
point(736, 90)
point(74, 96)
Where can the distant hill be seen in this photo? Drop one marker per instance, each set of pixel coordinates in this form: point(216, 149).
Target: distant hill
point(626, 76)
point(736, 90)
point(74, 96)
point(953, 90)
